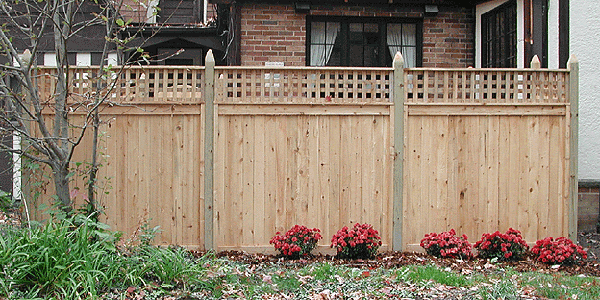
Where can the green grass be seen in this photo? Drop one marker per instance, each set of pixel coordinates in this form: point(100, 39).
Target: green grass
point(555, 286)
point(76, 258)
point(500, 289)
point(430, 272)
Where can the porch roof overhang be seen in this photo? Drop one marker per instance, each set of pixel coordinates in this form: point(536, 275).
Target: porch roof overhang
point(203, 36)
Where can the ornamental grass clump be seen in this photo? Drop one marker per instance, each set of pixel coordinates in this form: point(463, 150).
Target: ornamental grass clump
point(502, 246)
point(362, 241)
point(447, 245)
point(558, 251)
point(297, 242)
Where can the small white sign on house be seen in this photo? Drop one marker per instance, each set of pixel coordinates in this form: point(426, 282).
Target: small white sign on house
point(274, 64)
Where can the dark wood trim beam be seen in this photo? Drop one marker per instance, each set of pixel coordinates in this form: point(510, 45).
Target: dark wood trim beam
point(528, 30)
point(540, 32)
point(234, 55)
point(563, 33)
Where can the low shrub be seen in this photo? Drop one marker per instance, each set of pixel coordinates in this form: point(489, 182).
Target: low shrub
point(297, 242)
point(69, 256)
point(5, 201)
point(502, 246)
point(447, 245)
point(362, 241)
point(558, 251)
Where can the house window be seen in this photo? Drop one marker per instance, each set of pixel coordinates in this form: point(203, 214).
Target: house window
point(363, 42)
point(499, 37)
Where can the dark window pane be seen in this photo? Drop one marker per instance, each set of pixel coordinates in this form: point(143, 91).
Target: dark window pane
point(356, 55)
point(499, 36)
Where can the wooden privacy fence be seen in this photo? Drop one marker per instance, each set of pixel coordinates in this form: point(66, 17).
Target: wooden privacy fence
point(223, 157)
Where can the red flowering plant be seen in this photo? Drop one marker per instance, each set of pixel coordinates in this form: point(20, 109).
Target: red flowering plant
point(297, 242)
point(558, 251)
point(447, 244)
point(502, 246)
point(361, 241)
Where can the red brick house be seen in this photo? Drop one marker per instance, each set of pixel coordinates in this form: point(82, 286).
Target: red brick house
point(350, 33)
point(431, 33)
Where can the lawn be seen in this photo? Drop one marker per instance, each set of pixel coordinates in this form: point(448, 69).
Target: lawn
point(77, 258)
point(271, 278)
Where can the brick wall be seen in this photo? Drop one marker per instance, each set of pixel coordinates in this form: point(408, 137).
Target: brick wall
point(272, 33)
point(588, 206)
point(449, 39)
point(133, 10)
point(136, 10)
point(276, 33)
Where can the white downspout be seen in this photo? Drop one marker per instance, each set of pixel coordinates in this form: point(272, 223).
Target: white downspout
point(205, 12)
point(16, 158)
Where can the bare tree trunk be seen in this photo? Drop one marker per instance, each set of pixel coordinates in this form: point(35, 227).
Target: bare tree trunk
point(61, 122)
point(53, 141)
point(92, 205)
point(61, 183)
point(111, 14)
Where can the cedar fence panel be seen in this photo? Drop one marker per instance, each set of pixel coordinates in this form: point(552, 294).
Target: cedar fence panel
point(477, 150)
point(152, 151)
point(304, 146)
point(486, 150)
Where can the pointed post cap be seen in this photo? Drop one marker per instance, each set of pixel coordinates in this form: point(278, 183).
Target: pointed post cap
point(535, 62)
point(398, 60)
point(210, 57)
point(26, 56)
point(572, 60)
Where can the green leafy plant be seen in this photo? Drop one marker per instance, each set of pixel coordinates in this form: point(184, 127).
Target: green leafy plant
point(173, 266)
point(361, 241)
point(297, 242)
point(558, 251)
point(69, 256)
point(447, 244)
point(5, 201)
point(502, 246)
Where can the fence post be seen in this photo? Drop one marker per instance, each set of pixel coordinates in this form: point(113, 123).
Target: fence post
point(535, 63)
point(398, 94)
point(209, 94)
point(573, 67)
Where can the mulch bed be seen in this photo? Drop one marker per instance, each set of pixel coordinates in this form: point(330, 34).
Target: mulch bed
point(399, 259)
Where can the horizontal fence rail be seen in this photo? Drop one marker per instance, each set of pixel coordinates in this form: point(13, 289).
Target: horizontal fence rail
point(477, 150)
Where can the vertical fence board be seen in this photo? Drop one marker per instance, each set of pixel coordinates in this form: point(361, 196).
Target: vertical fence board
point(248, 199)
point(259, 180)
point(335, 185)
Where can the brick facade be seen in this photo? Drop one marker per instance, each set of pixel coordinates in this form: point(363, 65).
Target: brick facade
point(276, 33)
point(136, 11)
point(588, 209)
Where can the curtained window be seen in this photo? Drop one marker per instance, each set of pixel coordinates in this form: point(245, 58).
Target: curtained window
point(322, 40)
point(402, 38)
point(366, 42)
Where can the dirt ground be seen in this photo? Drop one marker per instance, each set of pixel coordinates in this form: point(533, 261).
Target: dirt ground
point(590, 242)
point(590, 267)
